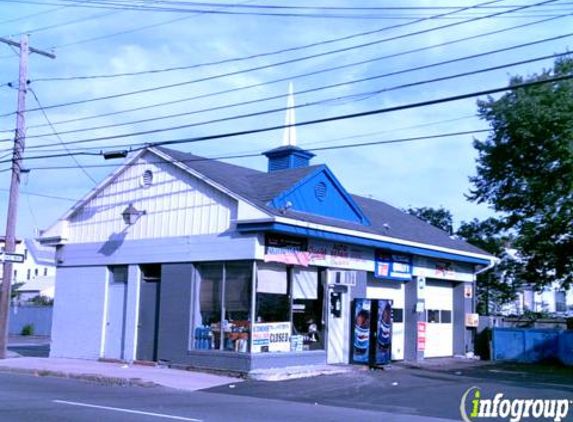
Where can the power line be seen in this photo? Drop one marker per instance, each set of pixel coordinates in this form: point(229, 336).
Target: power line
point(45, 12)
point(401, 53)
point(72, 22)
point(175, 85)
point(60, 139)
point(136, 146)
point(42, 195)
point(234, 60)
point(281, 109)
point(258, 154)
point(353, 115)
point(156, 8)
point(325, 87)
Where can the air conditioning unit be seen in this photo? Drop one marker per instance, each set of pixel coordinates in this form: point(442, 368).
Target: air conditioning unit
point(341, 278)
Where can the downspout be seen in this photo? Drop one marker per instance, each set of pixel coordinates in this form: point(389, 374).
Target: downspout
point(492, 264)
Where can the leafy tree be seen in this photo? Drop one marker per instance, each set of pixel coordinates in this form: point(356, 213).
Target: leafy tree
point(525, 171)
point(438, 217)
point(498, 286)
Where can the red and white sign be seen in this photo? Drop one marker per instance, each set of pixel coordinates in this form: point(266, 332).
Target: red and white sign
point(421, 336)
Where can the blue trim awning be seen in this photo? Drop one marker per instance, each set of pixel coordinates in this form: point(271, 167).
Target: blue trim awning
point(355, 240)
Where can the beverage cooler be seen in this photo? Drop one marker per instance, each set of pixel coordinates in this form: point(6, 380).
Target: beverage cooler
point(371, 332)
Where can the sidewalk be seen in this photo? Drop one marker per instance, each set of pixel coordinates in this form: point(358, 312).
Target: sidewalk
point(115, 373)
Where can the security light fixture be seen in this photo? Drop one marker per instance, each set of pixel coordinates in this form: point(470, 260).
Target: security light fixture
point(131, 214)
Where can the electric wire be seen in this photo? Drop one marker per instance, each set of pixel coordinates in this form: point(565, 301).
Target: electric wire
point(326, 87)
point(309, 104)
point(45, 12)
point(179, 84)
point(258, 154)
point(293, 77)
point(64, 24)
point(348, 116)
point(43, 195)
point(158, 8)
point(133, 146)
point(254, 56)
point(59, 137)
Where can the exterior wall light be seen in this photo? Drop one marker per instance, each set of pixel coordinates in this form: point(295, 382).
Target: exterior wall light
point(131, 214)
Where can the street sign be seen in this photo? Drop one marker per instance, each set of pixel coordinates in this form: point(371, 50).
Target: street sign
point(11, 257)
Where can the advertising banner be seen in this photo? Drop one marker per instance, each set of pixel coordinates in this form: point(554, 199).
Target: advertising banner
point(271, 337)
point(393, 266)
point(303, 252)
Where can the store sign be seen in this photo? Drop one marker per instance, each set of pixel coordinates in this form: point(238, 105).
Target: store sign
point(445, 270)
point(271, 337)
point(421, 336)
point(286, 249)
point(299, 251)
point(393, 266)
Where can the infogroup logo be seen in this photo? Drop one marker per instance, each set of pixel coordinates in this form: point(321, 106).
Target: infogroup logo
point(474, 406)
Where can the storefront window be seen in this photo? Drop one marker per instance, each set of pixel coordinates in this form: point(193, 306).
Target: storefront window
point(222, 307)
point(307, 309)
point(236, 324)
point(289, 309)
point(273, 302)
point(208, 307)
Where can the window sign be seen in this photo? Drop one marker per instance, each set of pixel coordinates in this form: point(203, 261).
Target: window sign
point(393, 266)
point(271, 337)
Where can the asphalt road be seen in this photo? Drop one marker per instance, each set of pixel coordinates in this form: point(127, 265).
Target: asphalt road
point(395, 395)
point(401, 390)
point(25, 398)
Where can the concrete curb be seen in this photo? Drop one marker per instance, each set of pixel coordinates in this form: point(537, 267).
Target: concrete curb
point(96, 378)
point(289, 373)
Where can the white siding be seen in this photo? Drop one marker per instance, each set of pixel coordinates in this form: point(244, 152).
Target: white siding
point(176, 204)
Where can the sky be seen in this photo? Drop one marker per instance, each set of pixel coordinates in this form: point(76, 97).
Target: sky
point(128, 73)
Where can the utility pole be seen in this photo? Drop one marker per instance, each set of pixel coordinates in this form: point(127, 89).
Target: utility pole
point(17, 156)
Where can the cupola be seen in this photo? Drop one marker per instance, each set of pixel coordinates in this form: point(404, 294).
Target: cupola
point(289, 155)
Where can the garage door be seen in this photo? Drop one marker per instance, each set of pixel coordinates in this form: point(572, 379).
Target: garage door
point(439, 317)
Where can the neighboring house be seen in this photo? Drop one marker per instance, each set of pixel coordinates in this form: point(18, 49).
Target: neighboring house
point(37, 272)
point(553, 299)
point(202, 263)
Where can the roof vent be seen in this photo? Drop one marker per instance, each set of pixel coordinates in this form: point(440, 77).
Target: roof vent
point(146, 179)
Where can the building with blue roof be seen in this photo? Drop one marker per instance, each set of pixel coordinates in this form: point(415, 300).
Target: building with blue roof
point(201, 263)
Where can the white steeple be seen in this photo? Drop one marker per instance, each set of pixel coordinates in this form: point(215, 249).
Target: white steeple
point(289, 136)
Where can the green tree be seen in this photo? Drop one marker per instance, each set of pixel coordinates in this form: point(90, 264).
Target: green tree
point(498, 286)
point(525, 171)
point(437, 217)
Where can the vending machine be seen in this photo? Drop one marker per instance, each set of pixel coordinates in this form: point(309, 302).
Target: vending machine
point(371, 332)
